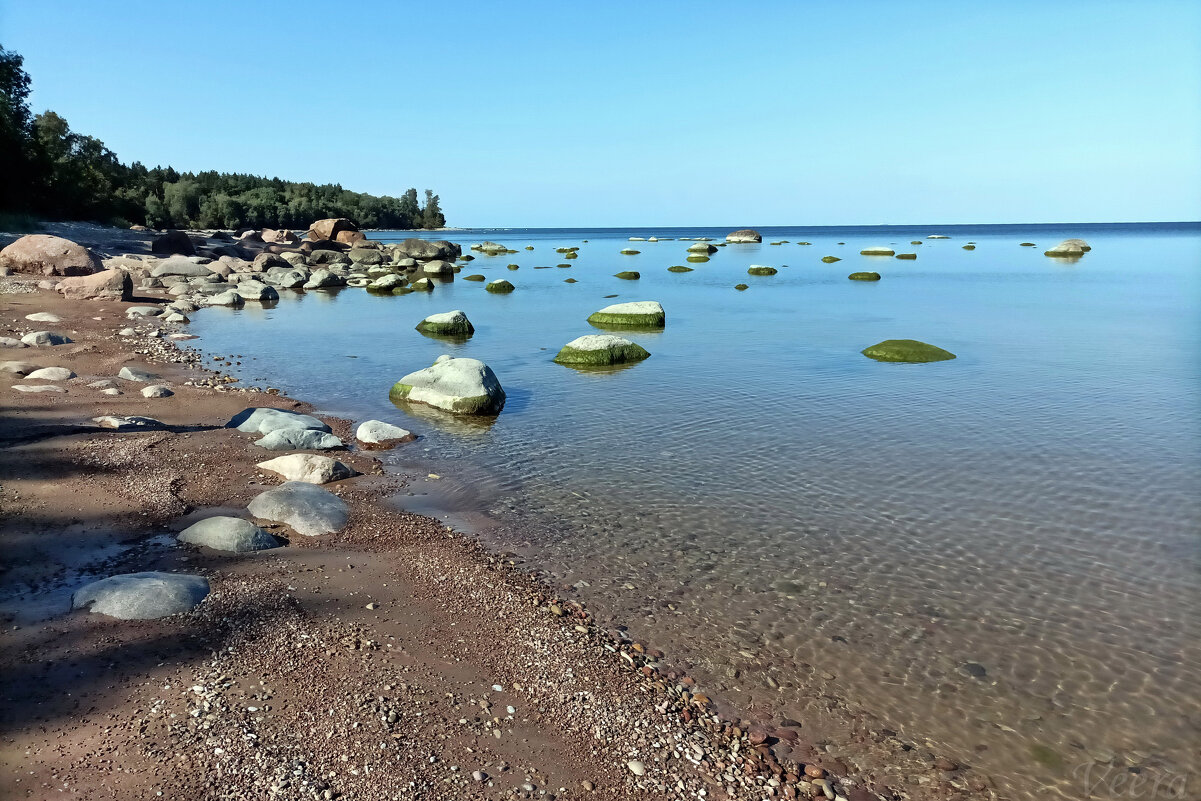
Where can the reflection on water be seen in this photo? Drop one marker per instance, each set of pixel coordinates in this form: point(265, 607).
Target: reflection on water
point(995, 557)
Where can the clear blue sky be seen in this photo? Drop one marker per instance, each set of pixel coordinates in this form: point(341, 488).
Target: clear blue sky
point(652, 113)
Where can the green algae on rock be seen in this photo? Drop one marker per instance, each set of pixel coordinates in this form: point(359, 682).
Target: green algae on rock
point(759, 269)
point(629, 252)
point(461, 386)
point(514, 266)
point(476, 277)
point(830, 259)
point(635, 314)
point(741, 287)
point(908, 256)
point(447, 324)
point(877, 251)
point(628, 275)
point(500, 287)
point(864, 276)
point(1027, 245)
point(906, 350)
point(600, 350)
point(969, 247)
point(422, 285)
point(697, 259)
point(679, 268)
point(571, 255)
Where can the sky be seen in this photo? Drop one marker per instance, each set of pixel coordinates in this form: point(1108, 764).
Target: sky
point(549, 114)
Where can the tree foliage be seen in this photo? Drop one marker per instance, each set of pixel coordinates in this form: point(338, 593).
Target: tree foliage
point(55, 172)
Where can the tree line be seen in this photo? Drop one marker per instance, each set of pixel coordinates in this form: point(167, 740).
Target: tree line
point(51, 171)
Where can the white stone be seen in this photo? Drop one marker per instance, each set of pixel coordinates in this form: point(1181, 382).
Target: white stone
point(156, 391)
point(308, 509)
point(377, 432)
point(52, 374)
point(228, 534)
point(464, 386)
point(142, 596)
point(43, 317)
point(308, 467)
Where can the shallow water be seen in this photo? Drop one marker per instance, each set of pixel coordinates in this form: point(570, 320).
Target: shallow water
point(776, 509)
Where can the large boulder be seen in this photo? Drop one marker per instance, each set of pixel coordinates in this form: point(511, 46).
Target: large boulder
point(1065, 250)
point(142, 596)
point(104, 285)
point(173, 242)
point(635, 314)
point(349, 237)
point(426, 249)
point(329, 228)
point(462, 386)
point(744, 235)
point(378, 434)
point(307, 508)
point(1080, 243)
point(702, 247)
point(182, 266)
point(491, 248)
point(600, 350)
point(41, 254)
point(906, 350)
point(264, 420)
point(366, 256)
point(228, 534)
point(451, 323)
point(308, 467)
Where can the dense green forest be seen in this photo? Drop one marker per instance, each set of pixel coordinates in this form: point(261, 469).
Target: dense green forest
point(51, 171)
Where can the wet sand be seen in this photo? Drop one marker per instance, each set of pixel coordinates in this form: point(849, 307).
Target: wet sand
point(394, 659)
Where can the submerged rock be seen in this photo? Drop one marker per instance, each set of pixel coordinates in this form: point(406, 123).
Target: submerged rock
point(451, 323)
point(744, 235)
point(308, 467)
point(635, 314)
point(462, 386)
point(475, 277)
point(906, 350)
point(601, 349)
point(864, 276)
point(630, 252)
point(228, 534)
point(379, 433)
point(307, 508)
point(969, 247)
point(142, 596)
point(702, 247)
point(697, 259)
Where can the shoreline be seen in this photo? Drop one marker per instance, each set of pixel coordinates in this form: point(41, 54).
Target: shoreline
point(440, 572)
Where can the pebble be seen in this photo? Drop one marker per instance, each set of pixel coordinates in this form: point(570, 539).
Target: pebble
point(479, 775)
point(636, 767)
point(587, 785)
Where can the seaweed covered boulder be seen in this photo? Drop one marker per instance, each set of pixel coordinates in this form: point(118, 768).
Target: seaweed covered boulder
point(41, 254)
point(600, 350)
point(448, 324)
point(679, 268)
point(759, 269)
point(864, 276)
point(877, 251)
point(499, 287)
point(906, 350)
point(628, 275)
point(329, 228)
point(830, 259)
point(635, 314)
point(462, 386)
point(744, 235)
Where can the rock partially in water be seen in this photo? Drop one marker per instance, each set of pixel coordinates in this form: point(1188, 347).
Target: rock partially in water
point(969, 247)
point(628, 275)
point(228, 534)
point(937, 236)
point(759, 269)
point(461, 386)
point(906, 350)
point(308, 467)
point(630, 252)
point(907, 256)
point(741, 287)
point(381, 434)
point(499, 287)
point(679, 268)
point(142, 596)
point(877, 251)
point(697, 259)
point(1080, 243)
point(307, 508)
point(421, 285)
point(475, 277)
point(451, 323)
point(635, 314)
point(1065, 250)
point(702, 248)
point(864, 276)
point(744, 235)
point(600, 349)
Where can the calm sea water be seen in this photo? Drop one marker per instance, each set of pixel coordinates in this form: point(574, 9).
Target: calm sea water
point(996, 556)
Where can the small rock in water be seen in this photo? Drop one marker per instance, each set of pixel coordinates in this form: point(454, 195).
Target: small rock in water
point(975, 670)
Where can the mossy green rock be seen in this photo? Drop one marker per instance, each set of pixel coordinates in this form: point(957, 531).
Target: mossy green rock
point(969, 247)
point(877, 251)
point(1027, 245)
point(462, 386)
point(447, 324)
point(907, 256)
point(906, 350)
point(741, 287)
point(467, 257)
point(569, 280)
point(628, 275)
point(636, 314)
point(501, 287)
point(759, 269)
point(915, 242)
point(422, 285)
point(476, 277)
point(830, 259)
point(403, 290)
point(563, 266)
point(514, 266)
point(697, 259)
point(864, 276)
point(599, 350)
point(529, 247)
point(571, 255)
point(679, 268)
point(629, 252)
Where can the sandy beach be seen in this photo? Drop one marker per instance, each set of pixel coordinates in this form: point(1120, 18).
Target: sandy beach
point(392, 659)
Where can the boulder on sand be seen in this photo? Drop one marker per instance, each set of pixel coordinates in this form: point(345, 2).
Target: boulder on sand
point(600, 350)
point(462, 386)
point(635, 314)
point(41, 254)
point(451, 323)
point(104, 285)
point(744, 235)
point(43, 339)
point(52, 374)
point(264, 420)
point(142, 596)
point(298, 439)
point(228, 534)
point(310, 468)
point(379, 434)
point(307, 508)
point(906, 350)
point(173, 242)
